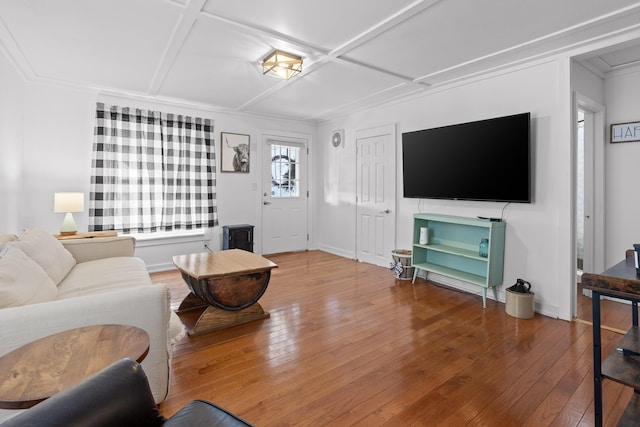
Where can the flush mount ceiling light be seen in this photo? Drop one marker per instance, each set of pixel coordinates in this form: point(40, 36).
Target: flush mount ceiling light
point(282, 64)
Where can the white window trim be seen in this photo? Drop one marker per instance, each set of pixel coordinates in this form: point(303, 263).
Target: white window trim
point(171, 237)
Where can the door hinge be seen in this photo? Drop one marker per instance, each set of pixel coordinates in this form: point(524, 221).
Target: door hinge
point(307, 237)
point(307, 193)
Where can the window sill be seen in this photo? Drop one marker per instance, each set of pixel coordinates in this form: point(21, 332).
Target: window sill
point(171, 237)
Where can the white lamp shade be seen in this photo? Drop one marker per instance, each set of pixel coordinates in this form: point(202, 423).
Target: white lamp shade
point(68, 202)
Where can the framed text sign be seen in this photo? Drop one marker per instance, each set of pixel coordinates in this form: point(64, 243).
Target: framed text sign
point(625, 132)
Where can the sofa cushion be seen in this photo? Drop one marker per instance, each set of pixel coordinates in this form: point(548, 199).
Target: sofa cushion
point(100, 275)
point(47, 251)
point(6, 238)
point(22, 280)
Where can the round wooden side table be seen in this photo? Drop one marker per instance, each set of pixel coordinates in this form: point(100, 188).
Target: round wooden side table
point(38, 370)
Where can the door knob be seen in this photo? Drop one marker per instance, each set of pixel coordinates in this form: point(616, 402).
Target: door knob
point(266, 203)
point(386, 211)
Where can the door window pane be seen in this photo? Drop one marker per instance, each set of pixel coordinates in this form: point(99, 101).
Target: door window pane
point(285, 170)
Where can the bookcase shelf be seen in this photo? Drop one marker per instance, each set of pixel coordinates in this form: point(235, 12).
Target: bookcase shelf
point(452, 249)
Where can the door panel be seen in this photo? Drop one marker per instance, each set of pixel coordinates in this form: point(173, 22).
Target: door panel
point(376, 195)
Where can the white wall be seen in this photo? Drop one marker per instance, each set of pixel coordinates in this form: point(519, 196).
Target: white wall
point(57, 152)
point(538, 234)
point(58, 138)
point(11, 142)
point(622, 92)
point(587, 83)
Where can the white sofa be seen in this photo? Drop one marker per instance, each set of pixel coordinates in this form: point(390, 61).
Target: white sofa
point(48, 286)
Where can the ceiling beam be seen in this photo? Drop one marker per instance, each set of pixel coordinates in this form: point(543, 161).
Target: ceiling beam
point(176, 42)
point(383, 26)
point(14, 53)
point(300, 47)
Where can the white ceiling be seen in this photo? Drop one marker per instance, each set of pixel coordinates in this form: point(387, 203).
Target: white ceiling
point(357, 53)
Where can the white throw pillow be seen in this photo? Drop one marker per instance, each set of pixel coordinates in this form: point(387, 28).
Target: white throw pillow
point(22, 280)
point(47, 251)
point(6, 238)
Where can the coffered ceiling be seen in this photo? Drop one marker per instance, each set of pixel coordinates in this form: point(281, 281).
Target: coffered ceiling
point(357, 53)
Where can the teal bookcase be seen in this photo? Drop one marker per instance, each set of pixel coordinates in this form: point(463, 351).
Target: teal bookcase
point(452, 250)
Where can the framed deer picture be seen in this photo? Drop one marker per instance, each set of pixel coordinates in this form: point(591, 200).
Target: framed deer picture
point(234, 152)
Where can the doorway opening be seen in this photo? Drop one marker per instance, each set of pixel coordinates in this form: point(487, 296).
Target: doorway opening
point(580, 202)
point(590, 131)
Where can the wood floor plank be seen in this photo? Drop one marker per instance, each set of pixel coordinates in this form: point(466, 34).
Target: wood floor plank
point(348, 344)
point(561, 380)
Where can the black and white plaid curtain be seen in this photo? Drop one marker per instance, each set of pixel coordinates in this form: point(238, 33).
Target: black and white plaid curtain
point(151, 171)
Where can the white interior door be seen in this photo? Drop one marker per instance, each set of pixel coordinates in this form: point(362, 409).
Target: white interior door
point(284, 196)
point(376, 195)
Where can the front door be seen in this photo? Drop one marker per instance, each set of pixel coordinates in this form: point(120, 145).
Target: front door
point(376, 195)
point(284, 196)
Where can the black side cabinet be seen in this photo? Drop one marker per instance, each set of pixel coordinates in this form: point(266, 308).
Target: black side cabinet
point(237, 237)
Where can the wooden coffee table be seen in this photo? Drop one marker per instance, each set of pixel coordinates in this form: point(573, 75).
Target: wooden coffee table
point(225, 288)
point(42, 368)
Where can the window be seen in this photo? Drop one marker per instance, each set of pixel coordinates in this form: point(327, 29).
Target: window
point(284, 165)
point(151, 172)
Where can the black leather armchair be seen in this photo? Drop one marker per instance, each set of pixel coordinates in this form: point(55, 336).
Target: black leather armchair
point(119, 395)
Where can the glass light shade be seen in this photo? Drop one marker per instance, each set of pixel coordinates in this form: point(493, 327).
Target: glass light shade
point(282, 64)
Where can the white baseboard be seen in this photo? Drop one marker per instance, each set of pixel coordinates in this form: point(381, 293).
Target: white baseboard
point(336, 251)
point(156, 268)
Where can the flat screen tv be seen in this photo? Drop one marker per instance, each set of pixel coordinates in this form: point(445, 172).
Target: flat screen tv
point(487, 160)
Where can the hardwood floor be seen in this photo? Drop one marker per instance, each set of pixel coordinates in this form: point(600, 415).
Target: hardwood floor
point(614, 313)
point(348, 344)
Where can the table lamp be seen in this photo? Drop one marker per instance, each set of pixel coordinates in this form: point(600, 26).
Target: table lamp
point(67, 203)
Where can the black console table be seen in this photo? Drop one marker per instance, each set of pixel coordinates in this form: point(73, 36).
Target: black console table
point(623, 363)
